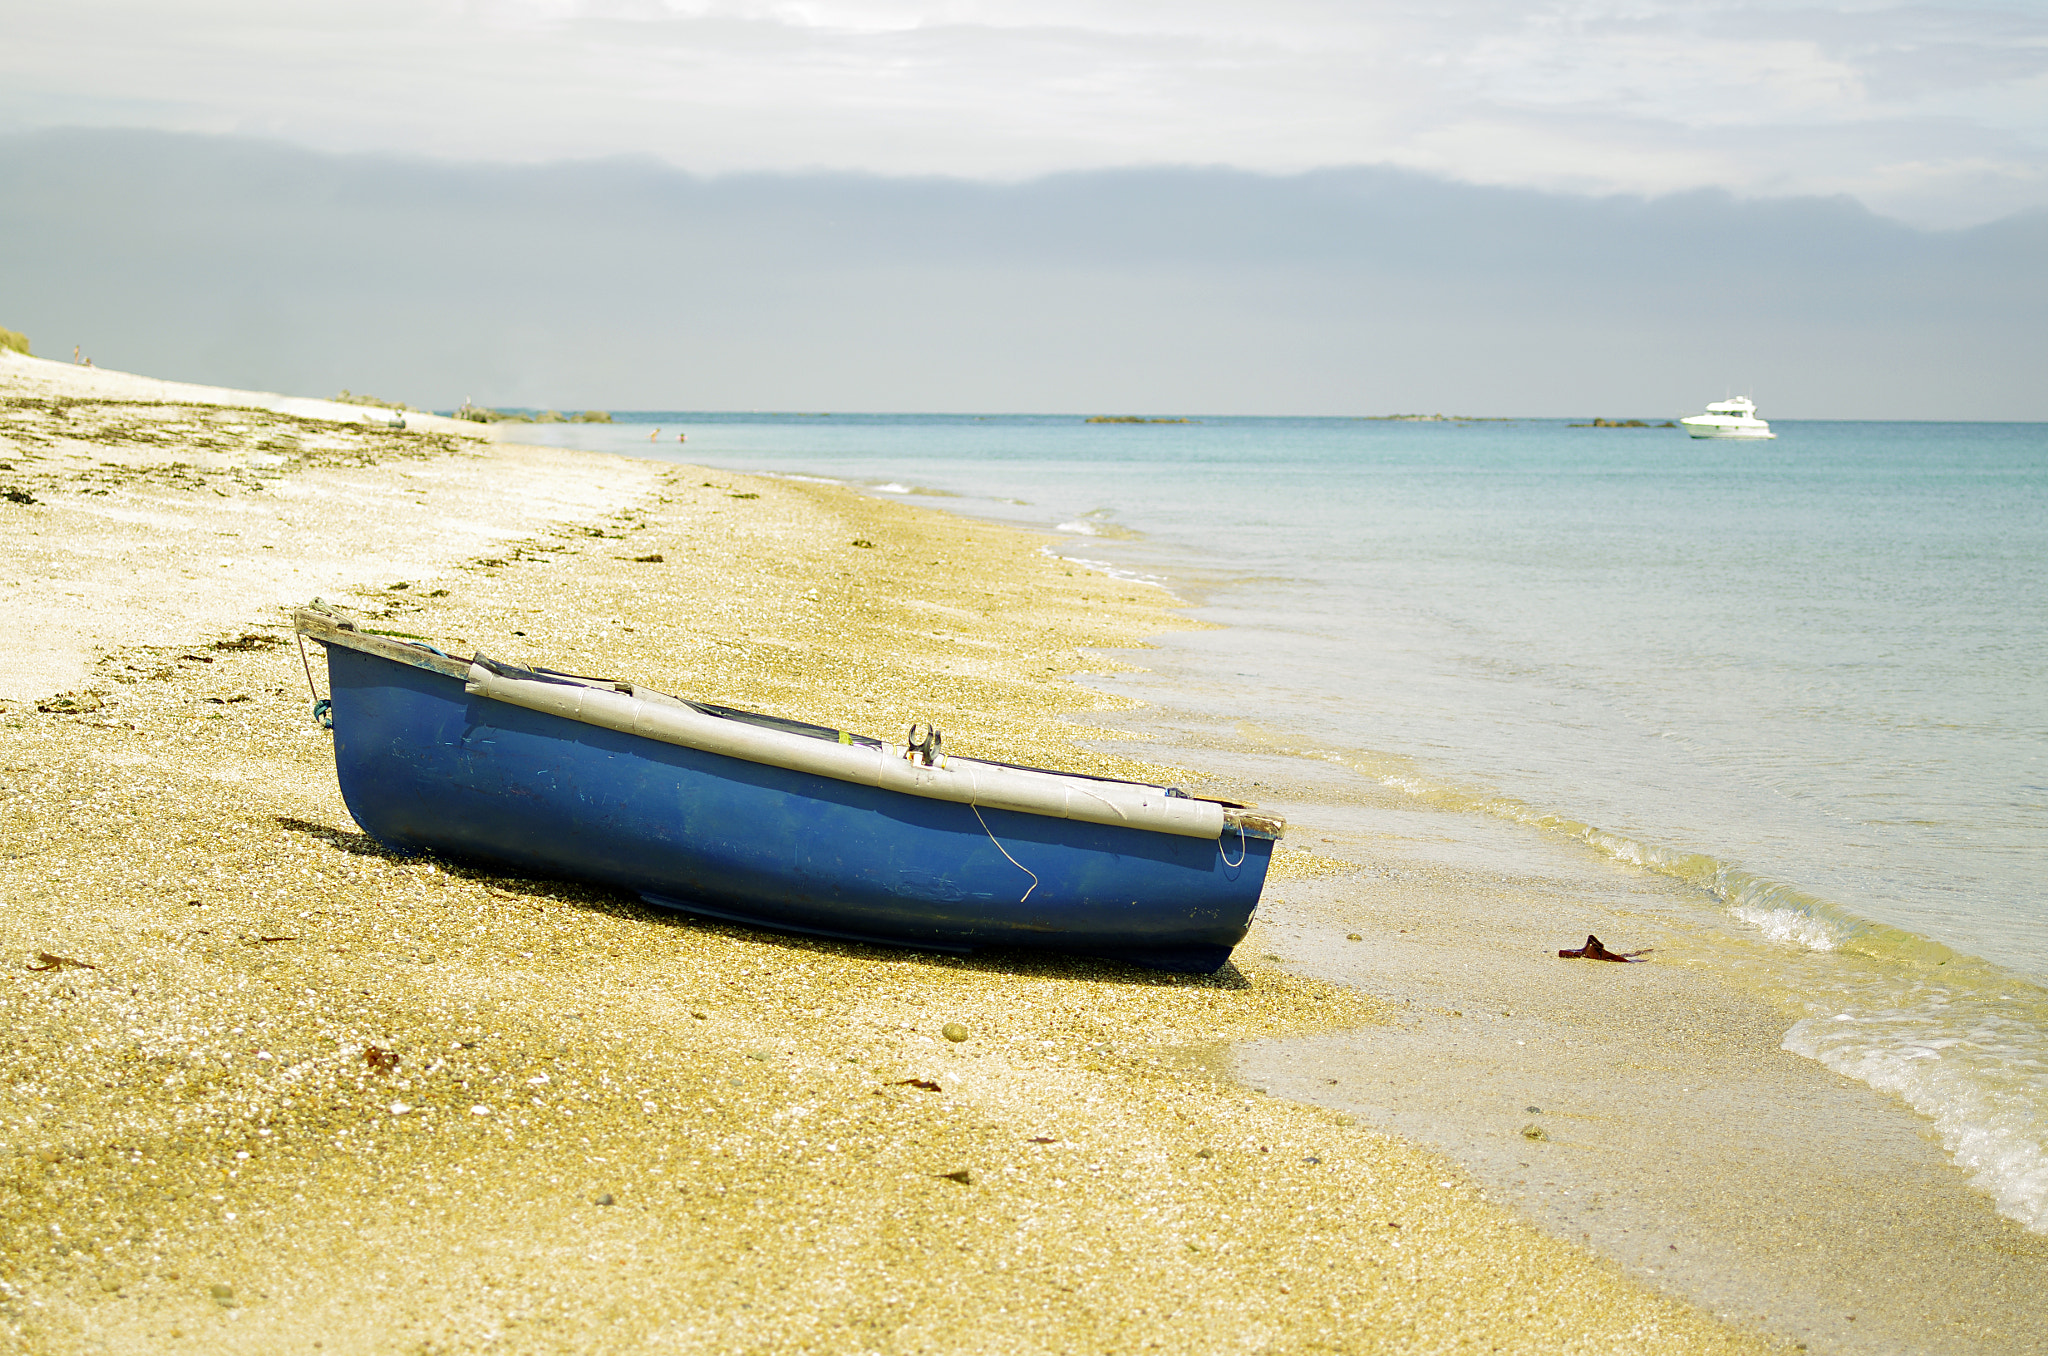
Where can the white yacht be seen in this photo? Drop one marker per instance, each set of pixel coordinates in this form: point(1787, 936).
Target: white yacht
point(1734, 418)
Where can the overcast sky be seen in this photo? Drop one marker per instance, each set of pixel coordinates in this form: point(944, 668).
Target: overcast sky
point(624, 284)
point(1934, 112)
point(1294, 206)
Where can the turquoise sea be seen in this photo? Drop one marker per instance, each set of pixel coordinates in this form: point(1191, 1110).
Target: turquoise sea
point(1808, 676)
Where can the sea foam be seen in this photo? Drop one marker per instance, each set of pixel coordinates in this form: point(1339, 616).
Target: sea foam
point(1968, 1050)
point(1980, 1075)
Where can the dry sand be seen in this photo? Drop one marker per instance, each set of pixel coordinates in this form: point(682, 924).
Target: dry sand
point(264, 1087)
point(161, 517)
point(21, 374)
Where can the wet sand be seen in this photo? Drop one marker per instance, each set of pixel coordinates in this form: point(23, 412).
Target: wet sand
point(1649, 1110)
point(264, 1087)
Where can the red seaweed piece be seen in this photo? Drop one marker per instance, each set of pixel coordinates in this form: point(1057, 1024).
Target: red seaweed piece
point(1592, 950)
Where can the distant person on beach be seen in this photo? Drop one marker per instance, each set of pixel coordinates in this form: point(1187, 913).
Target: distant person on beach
point(76, 356)
point(679, 437)
point(652, 436)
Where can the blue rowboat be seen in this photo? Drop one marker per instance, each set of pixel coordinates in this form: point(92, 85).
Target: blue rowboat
point(756, 819)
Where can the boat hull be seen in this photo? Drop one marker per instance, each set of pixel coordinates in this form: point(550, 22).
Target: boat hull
point(426, 767)
point(1755, 429)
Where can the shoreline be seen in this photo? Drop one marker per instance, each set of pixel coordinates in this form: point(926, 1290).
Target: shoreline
point(1724, 1166)
point(690, 1134)
point(1653, 1113)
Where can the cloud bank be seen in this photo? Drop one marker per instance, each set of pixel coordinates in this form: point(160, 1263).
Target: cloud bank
point(1930, 110)
point(626, 284)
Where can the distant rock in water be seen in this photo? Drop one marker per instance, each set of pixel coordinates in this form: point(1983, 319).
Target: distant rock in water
point(348, 397)
point(481, 415)
point(1132, 419)
point(1622, 423)
point(1435, 418)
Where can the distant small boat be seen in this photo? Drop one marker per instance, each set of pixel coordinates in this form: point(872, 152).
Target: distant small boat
point(1735, 418)
point(777, 823)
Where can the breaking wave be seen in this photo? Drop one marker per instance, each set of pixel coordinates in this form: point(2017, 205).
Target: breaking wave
point(1098, 523)
point(1958, 1039)
point(1975, 1067)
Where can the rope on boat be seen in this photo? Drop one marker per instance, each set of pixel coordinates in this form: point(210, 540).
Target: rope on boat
point(323, 707)
point(1241, 849)
point(1006, 852)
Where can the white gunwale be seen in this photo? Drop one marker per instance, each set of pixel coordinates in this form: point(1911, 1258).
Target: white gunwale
point(654, 715)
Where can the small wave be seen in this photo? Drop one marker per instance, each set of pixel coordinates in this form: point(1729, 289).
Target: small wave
point(1782, 912)
point(1961, 1041)
point(1098, 523)
point(1977, 1073)
point(898, 487)
point(1116, 572)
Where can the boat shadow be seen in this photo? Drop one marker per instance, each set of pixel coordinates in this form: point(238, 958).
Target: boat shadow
point(1018, 962)
point(360, 844)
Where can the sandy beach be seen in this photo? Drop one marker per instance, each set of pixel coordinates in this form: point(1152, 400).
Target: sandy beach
point(265, 1087)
